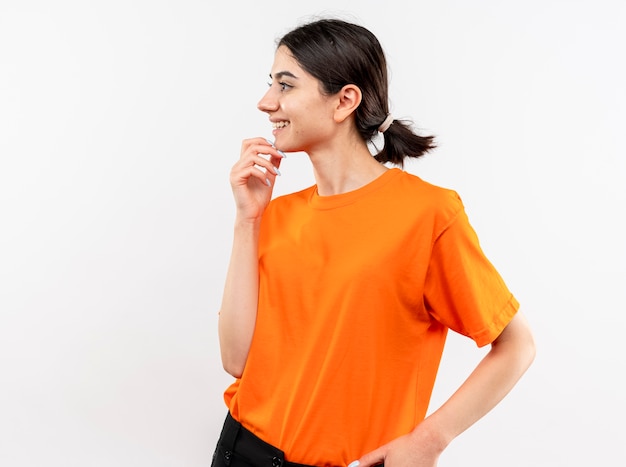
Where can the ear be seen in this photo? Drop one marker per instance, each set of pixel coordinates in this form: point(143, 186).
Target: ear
point(349, 99)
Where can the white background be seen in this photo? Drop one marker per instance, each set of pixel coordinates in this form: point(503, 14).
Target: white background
point(119, 121)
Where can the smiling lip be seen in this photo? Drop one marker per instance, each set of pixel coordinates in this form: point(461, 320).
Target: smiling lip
point(280, 124)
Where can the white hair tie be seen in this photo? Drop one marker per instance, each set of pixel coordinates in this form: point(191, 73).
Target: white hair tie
point(386, 123)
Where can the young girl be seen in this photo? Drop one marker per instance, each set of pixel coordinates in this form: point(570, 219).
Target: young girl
point(338, 298)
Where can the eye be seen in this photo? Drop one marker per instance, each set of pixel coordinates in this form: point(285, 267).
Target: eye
point(284, 86)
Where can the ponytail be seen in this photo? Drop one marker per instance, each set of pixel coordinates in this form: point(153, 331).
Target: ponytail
point(400, 142)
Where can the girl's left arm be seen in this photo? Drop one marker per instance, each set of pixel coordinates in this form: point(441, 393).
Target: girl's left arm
point(510, 355)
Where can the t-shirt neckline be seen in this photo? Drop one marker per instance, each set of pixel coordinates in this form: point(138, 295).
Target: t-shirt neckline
point(343, 199)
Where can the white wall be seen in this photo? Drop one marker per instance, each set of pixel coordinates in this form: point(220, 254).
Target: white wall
point(119, 121)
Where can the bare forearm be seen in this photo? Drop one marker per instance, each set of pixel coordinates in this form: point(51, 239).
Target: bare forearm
point(510, 356)
point(240, 298)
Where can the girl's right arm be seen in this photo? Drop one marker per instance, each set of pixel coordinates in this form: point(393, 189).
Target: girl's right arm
point(252, 179)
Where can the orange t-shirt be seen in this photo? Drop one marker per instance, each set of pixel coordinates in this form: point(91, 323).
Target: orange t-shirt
point(357, 292)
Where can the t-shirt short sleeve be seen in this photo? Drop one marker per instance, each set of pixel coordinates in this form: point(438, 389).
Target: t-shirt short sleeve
point(463, 290)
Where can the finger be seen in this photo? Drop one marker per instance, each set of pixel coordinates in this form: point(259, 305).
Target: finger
point(259, 154)
point(266, 164)
point(275, 156)
point(264, 168)
point(244, 174)
point(280, 154)
point(265, 146)
point(373, 458)
point(276, 160)
point(262, 164)
point(247, 143)
point(262, 146)
point(253, 159)
point(262, 175)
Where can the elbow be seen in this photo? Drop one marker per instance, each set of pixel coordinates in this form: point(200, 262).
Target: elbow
point(530, 350)
point(526, 344)
point(233, 366)
point(526, 349)
point(524, 354)
point(233, 370)
point(233, 351)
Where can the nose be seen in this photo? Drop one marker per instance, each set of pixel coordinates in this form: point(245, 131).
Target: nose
point(268, 102)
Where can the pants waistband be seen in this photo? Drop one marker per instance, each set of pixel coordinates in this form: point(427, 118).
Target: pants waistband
point(237, 441)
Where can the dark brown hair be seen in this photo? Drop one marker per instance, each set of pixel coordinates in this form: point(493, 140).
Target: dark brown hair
point(338, 53)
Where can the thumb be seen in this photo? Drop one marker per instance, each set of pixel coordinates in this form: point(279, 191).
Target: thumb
point(375, 457)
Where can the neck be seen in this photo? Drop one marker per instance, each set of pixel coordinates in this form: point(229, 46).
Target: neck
point(344, 167)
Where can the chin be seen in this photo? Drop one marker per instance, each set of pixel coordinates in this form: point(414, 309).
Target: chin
point(285, 147)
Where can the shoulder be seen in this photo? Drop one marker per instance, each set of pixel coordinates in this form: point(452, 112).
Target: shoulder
point(438, 200)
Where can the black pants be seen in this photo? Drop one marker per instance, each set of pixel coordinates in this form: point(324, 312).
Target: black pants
point(239, 447)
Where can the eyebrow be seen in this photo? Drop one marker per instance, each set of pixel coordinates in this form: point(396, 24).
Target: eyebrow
point(282, 74)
